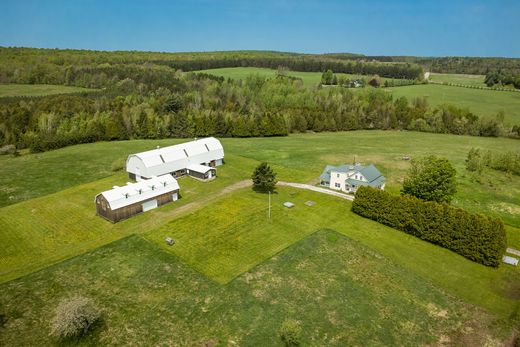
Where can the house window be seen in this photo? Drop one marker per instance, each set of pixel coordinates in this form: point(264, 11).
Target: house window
point(337, 175)
point(337, 185)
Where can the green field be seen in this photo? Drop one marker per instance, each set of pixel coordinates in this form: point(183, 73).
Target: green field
point(236, 73)
point(231, 263)
point(11, 90)
point(486, 103)
point(468, 80)
point(340, 292)
point(300, 158)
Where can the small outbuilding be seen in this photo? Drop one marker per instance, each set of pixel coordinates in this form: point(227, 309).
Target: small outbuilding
point(120, 203)
point(201, 172)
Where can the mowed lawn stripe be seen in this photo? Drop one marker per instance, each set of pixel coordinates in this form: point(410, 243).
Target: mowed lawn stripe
point(227, 238)
point(42, 231)
point(209, 241)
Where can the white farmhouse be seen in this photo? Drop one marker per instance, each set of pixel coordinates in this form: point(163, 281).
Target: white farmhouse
point(176, 160)
point(348, 178)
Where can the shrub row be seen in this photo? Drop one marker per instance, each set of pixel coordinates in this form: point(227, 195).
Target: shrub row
point(477, 237)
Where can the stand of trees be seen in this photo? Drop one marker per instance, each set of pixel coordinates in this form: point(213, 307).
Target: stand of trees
point(146, 100)
point(507, 161)
point(199, 106)
point(477, 237)
point(502, 78)
point(26, 65)
point(459, 65)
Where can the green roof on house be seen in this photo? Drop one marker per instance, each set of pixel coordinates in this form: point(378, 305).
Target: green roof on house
point(370, 172)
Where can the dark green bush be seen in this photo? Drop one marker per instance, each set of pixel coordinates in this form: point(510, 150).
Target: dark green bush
point(474, 236)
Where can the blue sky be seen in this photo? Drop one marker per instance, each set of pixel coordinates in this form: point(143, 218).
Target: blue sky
point(400, 27)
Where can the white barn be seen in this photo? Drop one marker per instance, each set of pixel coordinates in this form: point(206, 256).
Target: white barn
point(175, 159)
point(123, 202)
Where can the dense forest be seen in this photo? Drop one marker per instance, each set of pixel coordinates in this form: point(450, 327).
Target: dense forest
point(151, 100)
point(30, 65)
point(459, 65)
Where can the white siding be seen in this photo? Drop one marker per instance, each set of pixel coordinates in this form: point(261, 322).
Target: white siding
point(149, 205)
point(337, 180)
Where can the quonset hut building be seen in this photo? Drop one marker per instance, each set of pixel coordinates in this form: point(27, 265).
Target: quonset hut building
point(177, 160)
point(123, 202)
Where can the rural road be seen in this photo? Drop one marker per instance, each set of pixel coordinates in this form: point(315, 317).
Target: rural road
point(316, 189)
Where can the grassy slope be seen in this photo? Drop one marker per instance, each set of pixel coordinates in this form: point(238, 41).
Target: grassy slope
point(341, 293)
point(45, 230)
point(10, 90)
point(222, 246)
point(41, 231)
point(469, 80)
point(486, 103)
point(308, 154)
point(302, 156)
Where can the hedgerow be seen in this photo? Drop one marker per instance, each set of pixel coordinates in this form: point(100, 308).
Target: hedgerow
point(477, 237)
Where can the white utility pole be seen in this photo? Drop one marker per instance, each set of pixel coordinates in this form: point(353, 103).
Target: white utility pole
point(269, 204)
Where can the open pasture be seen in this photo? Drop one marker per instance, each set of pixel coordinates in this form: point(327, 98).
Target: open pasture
point(485, 103)
point(230, 263)
point(308, 78)
point(12, 90)
point(340, 292)
point(468, 80)
point(298, 158)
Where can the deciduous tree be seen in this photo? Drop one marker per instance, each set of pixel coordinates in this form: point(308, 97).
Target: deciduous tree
point(432, 179)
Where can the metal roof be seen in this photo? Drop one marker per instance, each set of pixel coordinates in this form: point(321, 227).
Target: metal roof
point(357, 183)
point(132, 193)
point(199, 168)
point(370, 172)
point(172, 158)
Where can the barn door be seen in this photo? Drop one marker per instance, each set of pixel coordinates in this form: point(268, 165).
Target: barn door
point(149, 205)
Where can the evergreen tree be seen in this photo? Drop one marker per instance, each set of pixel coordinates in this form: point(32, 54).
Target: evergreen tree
point(220, 125)
point(264, 178)
point(180, 126)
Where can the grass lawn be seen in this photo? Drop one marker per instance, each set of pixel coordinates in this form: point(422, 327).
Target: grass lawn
point(233, 275)
point(485, 103)
point(10, 90)
point(469, 80)
point(309, 78)
point(299, 158)
point(307, 154)
point(45, 230)
point(224, 245)
point(340, 292)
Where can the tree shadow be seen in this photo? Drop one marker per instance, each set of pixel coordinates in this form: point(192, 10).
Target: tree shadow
point(91, 337)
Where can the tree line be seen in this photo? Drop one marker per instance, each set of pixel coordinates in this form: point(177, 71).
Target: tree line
point(456, 65)
point(506, 161)
point(502, 78)
point(197, 106)
point(477, 237)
